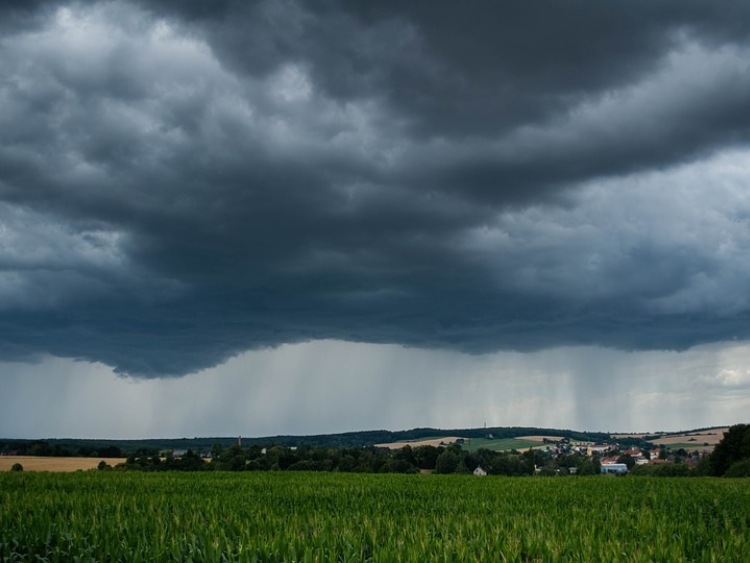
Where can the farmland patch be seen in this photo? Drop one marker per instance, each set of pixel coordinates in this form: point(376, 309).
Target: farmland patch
point(55, 464)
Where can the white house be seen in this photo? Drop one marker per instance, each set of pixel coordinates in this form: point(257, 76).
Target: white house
point(479, 472)
point(614, 468)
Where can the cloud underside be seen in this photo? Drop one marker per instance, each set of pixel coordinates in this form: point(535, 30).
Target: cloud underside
point(181, 183)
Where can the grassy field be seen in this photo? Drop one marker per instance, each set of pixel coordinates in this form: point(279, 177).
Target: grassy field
point(690, 446)
point(500, 445)
point(115, 516)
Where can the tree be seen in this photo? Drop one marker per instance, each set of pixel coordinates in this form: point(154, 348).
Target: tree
point(425, 457)
point(628, 460)
point(588, 467)
point(231, 459)
point(17, 467)
point(733, 447)
point(405, 454)
point(446, 462)
point(472, 461)
point(191, 461)
point(532, 459)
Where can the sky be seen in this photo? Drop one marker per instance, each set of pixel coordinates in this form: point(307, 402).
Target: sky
point(299, 217)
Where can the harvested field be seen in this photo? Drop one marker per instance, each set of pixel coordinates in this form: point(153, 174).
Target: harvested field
point(416, 443)
point(711, 437)
point(56, 464)
point(540, 438)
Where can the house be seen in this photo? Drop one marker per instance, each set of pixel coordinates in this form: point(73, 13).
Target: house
point(599, 449)
point(614, 469)
point(479, 472)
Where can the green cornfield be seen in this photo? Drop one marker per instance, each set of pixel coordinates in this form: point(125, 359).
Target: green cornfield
point(119, 516)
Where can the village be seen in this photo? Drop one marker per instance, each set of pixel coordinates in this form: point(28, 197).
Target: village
point(612, 459)
point(488, 452)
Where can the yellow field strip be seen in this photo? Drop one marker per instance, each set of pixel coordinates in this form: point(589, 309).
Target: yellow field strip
point(40, 463)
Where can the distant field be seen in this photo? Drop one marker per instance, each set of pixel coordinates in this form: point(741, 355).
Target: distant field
point(692, 440)
point(540, 439)
point(473, 444)
point(690, 446)
point(416, 443)
point(501, 445)
point(56, 464)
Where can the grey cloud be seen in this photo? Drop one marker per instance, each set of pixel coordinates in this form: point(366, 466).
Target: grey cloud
point(469, 70)
point(199, 180)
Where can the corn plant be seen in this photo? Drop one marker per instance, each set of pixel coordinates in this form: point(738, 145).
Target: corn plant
point(301, 517)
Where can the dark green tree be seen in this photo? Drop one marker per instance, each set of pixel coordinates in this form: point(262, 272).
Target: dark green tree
point(628, 460)
point(589, 467)
point(733, 447)
point(739, 469)
point(447, 462)
point(231, 459)
point(216, 450)
point(426, 456)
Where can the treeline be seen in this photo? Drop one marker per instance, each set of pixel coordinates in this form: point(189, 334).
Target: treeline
point(440, 459)
point(57, 449)
point(281, 458)
point(74, 447)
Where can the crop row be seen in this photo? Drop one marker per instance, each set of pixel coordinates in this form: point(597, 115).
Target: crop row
point(107, 516)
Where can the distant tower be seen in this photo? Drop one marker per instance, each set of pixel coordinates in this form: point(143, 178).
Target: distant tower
point(239, 441)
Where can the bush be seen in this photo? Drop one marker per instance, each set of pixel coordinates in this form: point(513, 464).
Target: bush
point(739, 469)
point(663, 470)
point(17, 467)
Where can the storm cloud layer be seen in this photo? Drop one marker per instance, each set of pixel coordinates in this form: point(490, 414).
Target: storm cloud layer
point(181, 182)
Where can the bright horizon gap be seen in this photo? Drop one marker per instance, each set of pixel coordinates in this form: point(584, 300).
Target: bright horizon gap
point(308, 389)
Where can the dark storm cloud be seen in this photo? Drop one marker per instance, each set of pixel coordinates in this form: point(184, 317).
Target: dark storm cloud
point(184, 181)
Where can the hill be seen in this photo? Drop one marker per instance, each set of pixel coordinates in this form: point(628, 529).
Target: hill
point(488, 437)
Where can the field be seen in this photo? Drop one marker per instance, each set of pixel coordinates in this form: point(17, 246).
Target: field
point(502, 444)
point(39, 463)
point(692, 440)
point(540, 438)
point(416, 443)
point(115, 516)
point(473, 444)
